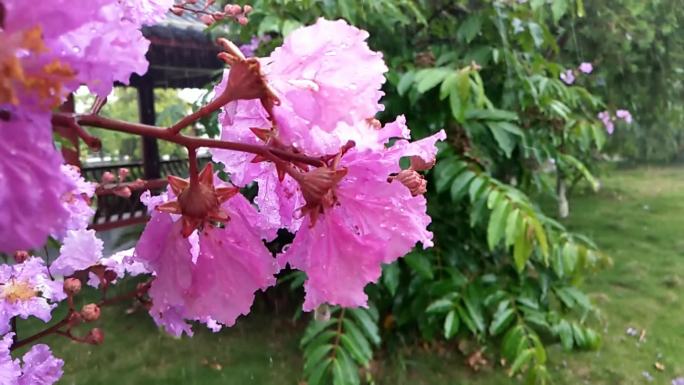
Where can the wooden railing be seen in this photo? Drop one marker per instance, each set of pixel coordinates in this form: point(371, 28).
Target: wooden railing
point(114, 211)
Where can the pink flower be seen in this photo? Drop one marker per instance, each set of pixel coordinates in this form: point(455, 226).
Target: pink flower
point(33, 184)
point(371, 221)
point(586, 68)
point(77, 201)
point(568, 77)
point(607, 121)
point(324, 74)
point(122, 263)
point(624, 115)
point(40, 367)
point(210, 276)
point(80, 250)
point(26, 290)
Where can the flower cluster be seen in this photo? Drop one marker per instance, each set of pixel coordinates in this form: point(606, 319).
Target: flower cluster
point(608, 120)
point(568, 76)
point(298, 125)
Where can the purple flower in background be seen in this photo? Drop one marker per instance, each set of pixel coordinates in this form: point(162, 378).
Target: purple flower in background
point(607, 121)
point(624, 115)
point(586, 68)
point(568, 77)
point(250, 48)
point(678, 381)
point(26, 290)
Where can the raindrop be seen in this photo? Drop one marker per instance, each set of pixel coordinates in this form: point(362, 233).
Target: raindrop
point(76, 49)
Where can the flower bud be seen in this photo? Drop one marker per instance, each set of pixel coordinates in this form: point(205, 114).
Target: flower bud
point(108, 177)
point(123, 173)
point(232, 9)
point(95, 337)
point(247, 9)
point(242, 20)
point(72, 286)
point(207, 19)
point(20, 256)
point(124, 192)
point(110, 275)
point(177, 11)
point(90, 312)
point(413, 181)
point(418, 164)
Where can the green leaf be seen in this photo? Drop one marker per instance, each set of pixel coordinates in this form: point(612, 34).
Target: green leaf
point(457, 107)
point(420, 263)
point(469, 28)
point(445, 171)
point(558, 9)
point(503, 138)
point(472, 302)
point(513, 226)
point(405, 82)
point(521, 249)
point(460, 185)
point(442, 305)
point(318, 373)
point(390, 277)
point(537, 34)
point(448, 85)
point(314, 328)
point(564, 331)
point(522, 359)
point(491, 114)
point(477, 186)
point(354, 349)
point(497, 223)
point(357, 338)
point(502, 319)
point(451, 323)
point(541, 236)
point(428, 79)
point(269, 24)
point(367, 324)
point(314, 359)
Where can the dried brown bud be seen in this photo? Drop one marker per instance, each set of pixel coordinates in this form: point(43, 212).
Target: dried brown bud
point(110, 275)
point(72, 286)
point(20, 256)
point(95, 337)
point(123, 173)
point(419, 164)
point(413, 181)
point(90, 312)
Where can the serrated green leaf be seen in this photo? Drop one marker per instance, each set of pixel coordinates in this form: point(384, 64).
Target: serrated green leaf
point(451, 323)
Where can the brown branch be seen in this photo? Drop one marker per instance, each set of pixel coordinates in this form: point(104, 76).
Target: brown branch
point(56, 328)
point(64, 120)
point(188, 141)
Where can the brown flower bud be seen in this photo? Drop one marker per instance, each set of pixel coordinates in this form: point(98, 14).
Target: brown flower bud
point(110, 275)
point(418, 164)
point(72, 286)
point(95, 337)
point(90, 312)
point(20, 256)
point(123, 174)
point(413, 181)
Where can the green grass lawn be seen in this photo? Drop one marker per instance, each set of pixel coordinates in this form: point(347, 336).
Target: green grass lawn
point(637, 218)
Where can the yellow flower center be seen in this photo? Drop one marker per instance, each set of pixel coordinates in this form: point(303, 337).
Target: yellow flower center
point(14, 291)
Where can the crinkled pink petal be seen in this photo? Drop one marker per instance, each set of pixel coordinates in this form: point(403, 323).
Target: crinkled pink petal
point(80, 250)
point(40, 367)
point(9, 367)
point(33, 185)
point(325, 73)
